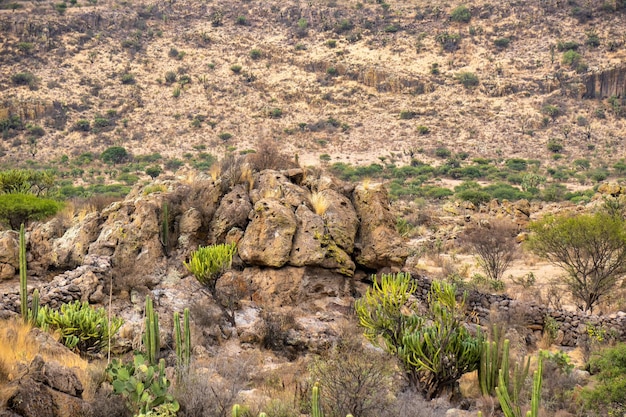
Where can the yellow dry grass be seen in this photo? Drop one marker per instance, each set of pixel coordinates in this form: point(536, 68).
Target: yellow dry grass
point(320, 203)
point(18, 347)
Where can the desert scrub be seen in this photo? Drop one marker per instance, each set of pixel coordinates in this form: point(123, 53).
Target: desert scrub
point(208, 263)
point(461, 14)
point(468, 79)
point(80, 326)
point(608, 396)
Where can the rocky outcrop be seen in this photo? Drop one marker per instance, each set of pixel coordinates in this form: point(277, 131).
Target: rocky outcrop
point(378, 243)
point(9, 254)
point(69, 251)
point(268, 237)
point(606, 83)
point(46, 389)
point(232, 212)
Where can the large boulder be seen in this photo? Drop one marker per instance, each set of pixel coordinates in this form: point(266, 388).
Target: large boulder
point(41, 240)
point(232, 212)
point(268, 237)
point(70, 249)
point(130, 235)
point(9, 254)
point(378, 244)
point(341, 220)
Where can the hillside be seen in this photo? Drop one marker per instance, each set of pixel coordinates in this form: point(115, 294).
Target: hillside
point(353, 82)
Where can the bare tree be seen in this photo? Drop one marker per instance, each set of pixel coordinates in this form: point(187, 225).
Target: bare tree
point(494, 244)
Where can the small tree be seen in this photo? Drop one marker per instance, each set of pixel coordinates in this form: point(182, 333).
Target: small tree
point(495, 247)
point(19, 208)
point(114, 155)
point(590, 248)
point(435, 348)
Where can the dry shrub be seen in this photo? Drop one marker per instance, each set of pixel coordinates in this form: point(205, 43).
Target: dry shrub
point(275, 331)
point(494, 246)
point(355, 380)
point(213, 391)
point(320, 203)
point(269, 156)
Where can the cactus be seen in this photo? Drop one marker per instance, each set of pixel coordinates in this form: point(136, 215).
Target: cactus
point(33, 313)
point(236, 410)
point(510, 402)
point(23, 277)
point(183, 340)
point(262, 414)
point(151, 337)
point(165, 228)
point(536, 395)
point(494, 356)
point(316, 409)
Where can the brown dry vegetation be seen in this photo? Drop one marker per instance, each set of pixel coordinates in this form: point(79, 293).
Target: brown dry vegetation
point(311, 98)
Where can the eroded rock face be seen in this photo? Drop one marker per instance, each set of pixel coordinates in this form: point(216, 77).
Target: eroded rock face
point(341, 220)
point(378, 243)
point(9, 254)
point(232, 212)
point(268, 237)
point(70, 249)
point(130, 235)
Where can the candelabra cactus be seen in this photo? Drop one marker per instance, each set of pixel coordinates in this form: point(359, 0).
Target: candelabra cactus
point(183, 340)
point(23, 277)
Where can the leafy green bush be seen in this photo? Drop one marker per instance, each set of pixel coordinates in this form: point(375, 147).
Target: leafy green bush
point(114, 155)
point(477, 197)
point(608, 396)
point(502, 42)
point(144, 387)
point(128, 78)
point(256, 54)
point(442, 152)
point(81, 326)
point(461, 14)
point(554, 146)
point(209, 262)
point(571, 58)
point(23, 78)
point(563, 46)
point(468, 79)
point(18, 208)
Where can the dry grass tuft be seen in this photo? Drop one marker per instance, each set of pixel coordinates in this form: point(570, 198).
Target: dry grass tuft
point(18, 347)
point(320, 203)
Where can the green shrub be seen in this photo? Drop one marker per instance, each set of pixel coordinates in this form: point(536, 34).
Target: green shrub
point(225, 136)
point(517, 164)
point(18, 208)
point(80, 326)
point(434, 348)
point(100, 122)
point(208, 263)
point(563, 46)
point(241, 21)
point(468, 79)
point(60, 7)
point(442, 152)
point(256, 54)
point(170, 77)
point(476, 197)
point(407, 114)
point(114, 155)
point(236, 68)
point(448, 41)
point(331, 43)
point(551, 110)
point(607, 397)
point(554, 146)
point(571, 58)
point(502, 42)
point(593, 40)
point(461, 14)
point(82, 125)
point(128, 79)
point(275, 113)
point(332, 71)
point(423, 130)
point(23, 78)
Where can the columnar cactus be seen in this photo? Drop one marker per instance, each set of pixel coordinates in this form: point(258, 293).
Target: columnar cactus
point(23, 277)
point(151, 337)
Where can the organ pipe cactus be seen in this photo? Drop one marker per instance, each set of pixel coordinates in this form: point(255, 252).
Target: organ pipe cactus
point(23, 277)
point(509, 396)
point(151, 336)
point(316, 409)
point(494, 356)
point(183, 340)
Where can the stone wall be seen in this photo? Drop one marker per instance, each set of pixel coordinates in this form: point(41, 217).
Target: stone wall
point(573, 326)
